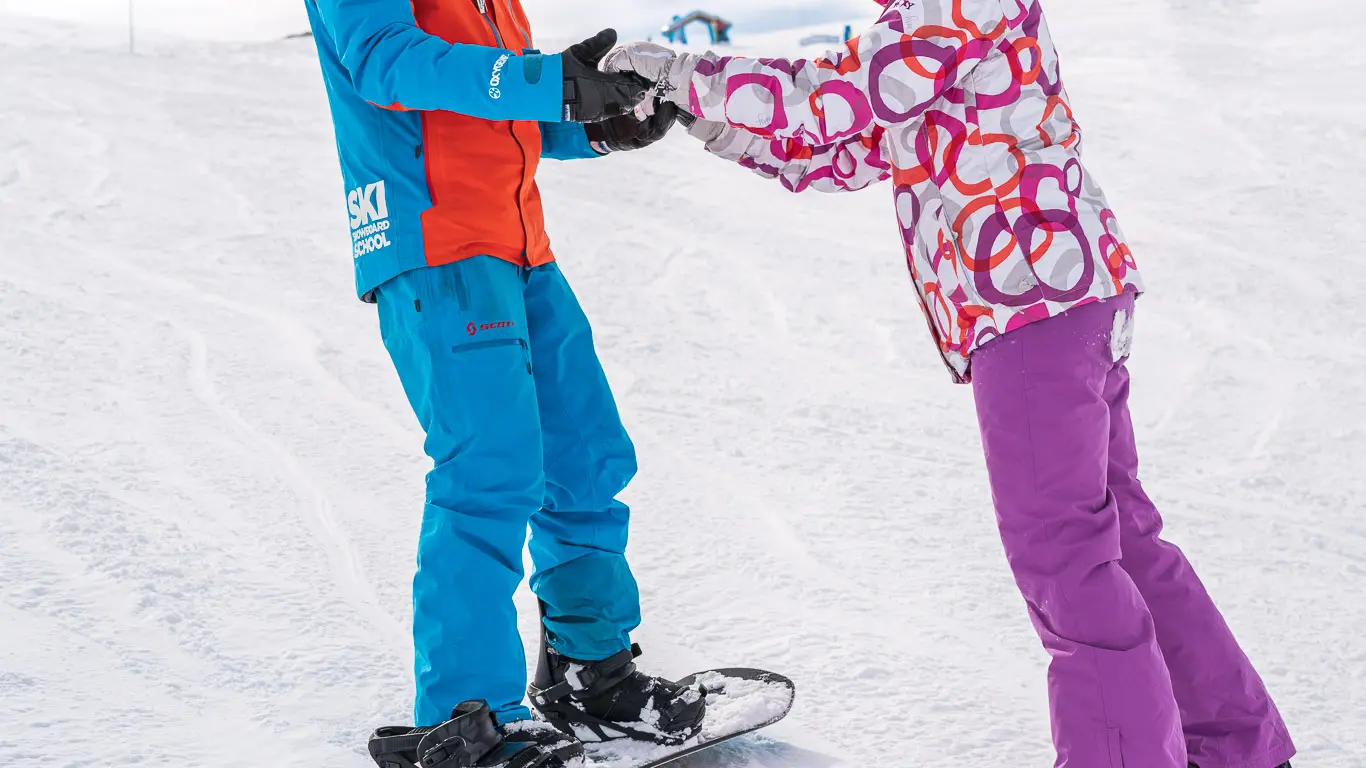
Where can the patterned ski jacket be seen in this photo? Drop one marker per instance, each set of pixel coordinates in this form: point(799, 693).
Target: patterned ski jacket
point(960, 104)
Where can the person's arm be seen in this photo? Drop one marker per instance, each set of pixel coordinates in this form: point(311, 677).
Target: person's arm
point(890, 74)
point(395, 64)
point(845, 166)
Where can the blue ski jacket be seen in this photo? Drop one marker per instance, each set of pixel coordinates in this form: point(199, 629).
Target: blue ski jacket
point(442, 111)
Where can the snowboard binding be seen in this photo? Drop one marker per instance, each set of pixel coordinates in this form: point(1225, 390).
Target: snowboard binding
point(610, 700)
point(470, 739)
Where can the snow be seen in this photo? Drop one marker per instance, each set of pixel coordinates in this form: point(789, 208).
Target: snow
point(237, 20)
point(735, 703)
point(210, 480)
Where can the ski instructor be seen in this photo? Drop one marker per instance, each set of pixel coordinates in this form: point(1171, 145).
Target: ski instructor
point(443, 110)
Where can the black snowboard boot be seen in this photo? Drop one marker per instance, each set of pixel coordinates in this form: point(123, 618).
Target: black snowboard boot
point(609, 700)
point(1282, 765)
point(472, 738)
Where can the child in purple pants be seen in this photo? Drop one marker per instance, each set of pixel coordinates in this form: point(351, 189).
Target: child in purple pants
point(1137, 644)
point(1028, 285)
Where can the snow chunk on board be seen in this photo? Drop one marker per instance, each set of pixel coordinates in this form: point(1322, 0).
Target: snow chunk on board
point(735, 705)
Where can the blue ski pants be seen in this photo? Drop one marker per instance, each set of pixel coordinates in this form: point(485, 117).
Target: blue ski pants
point(498, 363)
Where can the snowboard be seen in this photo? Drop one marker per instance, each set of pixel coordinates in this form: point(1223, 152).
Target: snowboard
point(739, 701)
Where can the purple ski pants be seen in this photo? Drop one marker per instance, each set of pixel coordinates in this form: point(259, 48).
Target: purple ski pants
point(1144, 672)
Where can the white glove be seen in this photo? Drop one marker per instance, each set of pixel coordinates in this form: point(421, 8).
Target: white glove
point(721, 139)
point(670, 70)
point(707, 131)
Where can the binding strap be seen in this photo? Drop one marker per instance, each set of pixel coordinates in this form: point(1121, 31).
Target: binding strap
point(470, 738)
point(584, 681)
point(453, 744)
point(396, 746)
point(569, 718)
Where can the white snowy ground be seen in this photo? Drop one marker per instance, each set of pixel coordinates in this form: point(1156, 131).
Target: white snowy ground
point(210, 481)
point(268, 19)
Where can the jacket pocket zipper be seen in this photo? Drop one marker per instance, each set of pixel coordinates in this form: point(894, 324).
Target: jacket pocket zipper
point(478, 345)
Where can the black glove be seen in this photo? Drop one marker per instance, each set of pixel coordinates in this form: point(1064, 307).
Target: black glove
point(591, 96)
point(625, 133)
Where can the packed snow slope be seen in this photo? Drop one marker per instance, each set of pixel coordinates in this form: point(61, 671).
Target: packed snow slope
point(239, 20)
point(210, 481)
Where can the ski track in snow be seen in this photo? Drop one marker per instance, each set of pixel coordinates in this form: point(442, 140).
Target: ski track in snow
point(210, 481)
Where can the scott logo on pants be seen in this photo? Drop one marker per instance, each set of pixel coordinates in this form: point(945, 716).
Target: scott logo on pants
point(475, 328)
point(369, 208)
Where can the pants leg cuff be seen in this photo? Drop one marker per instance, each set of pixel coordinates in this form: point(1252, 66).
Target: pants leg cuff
point(1271, 758)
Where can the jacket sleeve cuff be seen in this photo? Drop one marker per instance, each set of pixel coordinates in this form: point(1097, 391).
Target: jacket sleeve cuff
point(541, 87)
point(566, 141)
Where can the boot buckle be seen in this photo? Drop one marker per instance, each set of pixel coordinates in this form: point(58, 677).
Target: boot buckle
point(580, 678)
